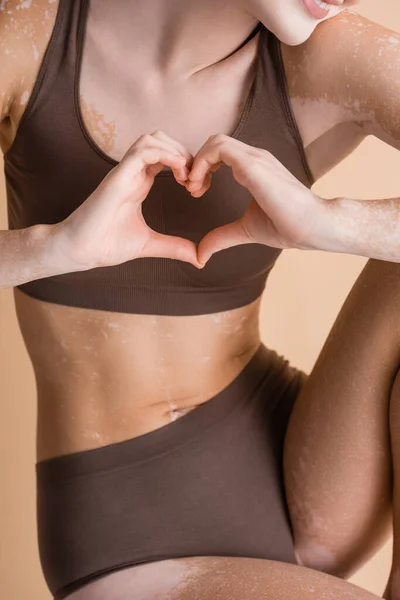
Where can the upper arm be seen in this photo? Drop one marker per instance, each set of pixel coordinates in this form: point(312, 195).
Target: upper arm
point(374, 81)
point(9, 52)
point(25, 30)
point(352, 65)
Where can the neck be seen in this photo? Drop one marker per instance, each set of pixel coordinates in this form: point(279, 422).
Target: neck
point(177, 37)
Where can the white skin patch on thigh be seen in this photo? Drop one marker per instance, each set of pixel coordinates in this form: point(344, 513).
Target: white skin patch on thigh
point(320, 557)
point(161, 580)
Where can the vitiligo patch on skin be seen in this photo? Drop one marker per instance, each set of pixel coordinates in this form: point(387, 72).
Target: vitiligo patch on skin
point(103, 132)
point(25, 28)
point(92, 374)
point(367, 91)
point(219, 578)
point(150, 385)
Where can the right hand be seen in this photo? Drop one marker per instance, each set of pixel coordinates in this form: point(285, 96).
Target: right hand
point(108, 228)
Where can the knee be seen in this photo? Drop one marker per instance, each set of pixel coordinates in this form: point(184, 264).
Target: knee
point(392, 591)
point(320, 558)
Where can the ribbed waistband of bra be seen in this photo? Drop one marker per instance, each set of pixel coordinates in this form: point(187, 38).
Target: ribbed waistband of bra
point(167, 437)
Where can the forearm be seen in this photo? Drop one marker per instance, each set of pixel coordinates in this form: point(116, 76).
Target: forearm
point(29, 254)
point(369, 228)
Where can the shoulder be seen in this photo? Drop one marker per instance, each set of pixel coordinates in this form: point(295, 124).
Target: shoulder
point(350, 62)
point(25, 30)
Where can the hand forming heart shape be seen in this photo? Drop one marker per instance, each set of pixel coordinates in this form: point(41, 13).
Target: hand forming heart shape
point(108, 228)
point(283, 212)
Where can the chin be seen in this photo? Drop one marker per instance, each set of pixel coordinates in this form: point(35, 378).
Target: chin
point(288, 20)
point(292, 37)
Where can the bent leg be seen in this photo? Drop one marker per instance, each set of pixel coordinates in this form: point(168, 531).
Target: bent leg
point(220, 578)
point(338, 460)
point(393, 590)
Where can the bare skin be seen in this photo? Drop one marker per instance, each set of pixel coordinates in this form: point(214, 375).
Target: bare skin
point(224, 342)
point(85, 358)
point(220, 578)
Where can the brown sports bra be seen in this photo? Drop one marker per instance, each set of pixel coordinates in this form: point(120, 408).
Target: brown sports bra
point(53, 165)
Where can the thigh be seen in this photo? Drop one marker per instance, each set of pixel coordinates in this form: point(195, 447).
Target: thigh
point(219, 578)
point(337, 458)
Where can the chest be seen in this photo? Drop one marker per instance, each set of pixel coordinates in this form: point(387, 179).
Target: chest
point(118, 104)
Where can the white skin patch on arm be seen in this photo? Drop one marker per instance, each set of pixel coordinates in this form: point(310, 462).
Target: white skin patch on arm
point(25, 29)
point(350, 67)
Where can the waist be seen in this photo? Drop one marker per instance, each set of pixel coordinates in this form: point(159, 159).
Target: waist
point(103, 377)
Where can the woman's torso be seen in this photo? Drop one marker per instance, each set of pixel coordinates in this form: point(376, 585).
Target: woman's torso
point(103, 376)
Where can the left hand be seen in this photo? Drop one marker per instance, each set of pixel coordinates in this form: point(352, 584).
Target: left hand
point(283, 213)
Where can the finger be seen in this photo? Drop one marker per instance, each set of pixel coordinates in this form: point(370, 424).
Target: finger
point(181, 175)
point(151, 155)
point(177, 145)
point(197, 189)
point(218, 150)
point(196, 186)
point(226, 236)
point(143, 144)
point(169, 246)
point(154, 169)
point(149, 161)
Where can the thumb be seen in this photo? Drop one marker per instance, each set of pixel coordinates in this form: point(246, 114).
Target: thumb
point(226, 236)
point(169, 246)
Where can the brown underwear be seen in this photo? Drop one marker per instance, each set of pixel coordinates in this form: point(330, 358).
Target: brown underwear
point(207, 484)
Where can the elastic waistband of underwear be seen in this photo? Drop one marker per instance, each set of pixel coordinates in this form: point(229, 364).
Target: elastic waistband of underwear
point(167, 437)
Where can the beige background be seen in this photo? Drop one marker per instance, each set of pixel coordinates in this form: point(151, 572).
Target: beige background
point(305, 292)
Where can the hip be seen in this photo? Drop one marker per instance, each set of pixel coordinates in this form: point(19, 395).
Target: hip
point(210, 483)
